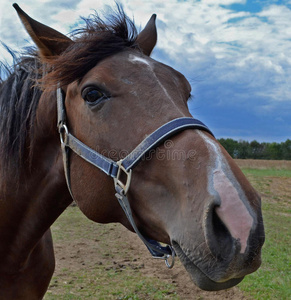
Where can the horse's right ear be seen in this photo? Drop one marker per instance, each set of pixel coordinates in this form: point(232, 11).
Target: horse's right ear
point(49, 41)
point(147, 38)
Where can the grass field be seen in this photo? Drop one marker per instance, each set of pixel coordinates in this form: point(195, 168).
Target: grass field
point(108, 262)
point(273, 279)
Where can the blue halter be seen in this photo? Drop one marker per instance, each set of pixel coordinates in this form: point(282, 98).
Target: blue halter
point(123, 166)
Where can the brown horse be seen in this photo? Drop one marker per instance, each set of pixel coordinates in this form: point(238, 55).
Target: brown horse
point(187, 193)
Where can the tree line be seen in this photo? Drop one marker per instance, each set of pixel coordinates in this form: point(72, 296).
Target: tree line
point(256, 150)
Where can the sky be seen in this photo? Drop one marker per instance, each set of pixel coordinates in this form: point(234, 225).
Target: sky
point(236, 54)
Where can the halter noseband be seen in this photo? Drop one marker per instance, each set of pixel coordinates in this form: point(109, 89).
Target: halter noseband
point(123, 166)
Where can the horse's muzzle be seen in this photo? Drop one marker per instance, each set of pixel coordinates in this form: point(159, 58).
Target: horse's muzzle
point(215, 259)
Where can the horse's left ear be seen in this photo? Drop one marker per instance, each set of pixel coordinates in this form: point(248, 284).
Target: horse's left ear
point(49, 41)
point(147, 38)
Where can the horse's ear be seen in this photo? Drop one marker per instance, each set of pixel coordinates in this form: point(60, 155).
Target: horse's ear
point(147, 38)
point(49, 41)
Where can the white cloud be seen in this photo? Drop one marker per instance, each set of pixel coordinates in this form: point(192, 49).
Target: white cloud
point(196, 32)
point(224, 2)
point(230, 44)
point(237, 55)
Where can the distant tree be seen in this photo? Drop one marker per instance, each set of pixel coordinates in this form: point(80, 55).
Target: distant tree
point(230, 145)
point(255, 150)
point(273, 151)
point(286, 150)
point(244, 150)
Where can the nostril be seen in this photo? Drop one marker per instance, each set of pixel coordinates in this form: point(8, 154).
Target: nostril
point(220, 231)
point(220, 240)
point(217, 236)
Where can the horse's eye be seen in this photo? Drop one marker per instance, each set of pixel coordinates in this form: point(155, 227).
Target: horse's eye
point(93, 96)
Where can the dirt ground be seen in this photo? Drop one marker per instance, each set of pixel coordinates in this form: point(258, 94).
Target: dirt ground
point(75, 256)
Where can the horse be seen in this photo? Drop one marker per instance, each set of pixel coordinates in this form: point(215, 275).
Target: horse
point(94, 119)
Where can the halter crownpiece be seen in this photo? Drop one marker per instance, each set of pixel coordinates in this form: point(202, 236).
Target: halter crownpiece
point(123, 166)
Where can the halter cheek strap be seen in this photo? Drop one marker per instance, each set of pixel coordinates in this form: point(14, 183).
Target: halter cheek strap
point(123, 166)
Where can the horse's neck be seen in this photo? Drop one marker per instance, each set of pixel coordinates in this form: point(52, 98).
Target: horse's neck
point(33, 201)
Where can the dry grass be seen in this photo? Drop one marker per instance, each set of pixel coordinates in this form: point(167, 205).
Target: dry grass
point(264, 164)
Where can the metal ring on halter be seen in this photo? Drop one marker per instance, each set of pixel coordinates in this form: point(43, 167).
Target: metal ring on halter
point(166, 258)
point(63, 130)
point(170, 265)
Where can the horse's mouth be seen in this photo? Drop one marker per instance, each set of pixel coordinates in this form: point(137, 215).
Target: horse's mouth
point(199, 277)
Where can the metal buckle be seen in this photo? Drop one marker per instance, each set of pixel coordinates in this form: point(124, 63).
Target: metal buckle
point(117, 180)
point(63, 130)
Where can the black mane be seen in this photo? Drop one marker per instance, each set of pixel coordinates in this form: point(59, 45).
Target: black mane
point(19, 97)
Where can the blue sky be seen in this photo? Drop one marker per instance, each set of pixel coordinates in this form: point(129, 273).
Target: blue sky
point(235, 53)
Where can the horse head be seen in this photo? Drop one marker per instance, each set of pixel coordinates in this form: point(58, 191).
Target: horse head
point(186, 192)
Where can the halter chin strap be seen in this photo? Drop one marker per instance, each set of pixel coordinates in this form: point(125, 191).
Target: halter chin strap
point(123, 166)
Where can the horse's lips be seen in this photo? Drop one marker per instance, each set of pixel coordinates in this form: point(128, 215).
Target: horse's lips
point(199, 277)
